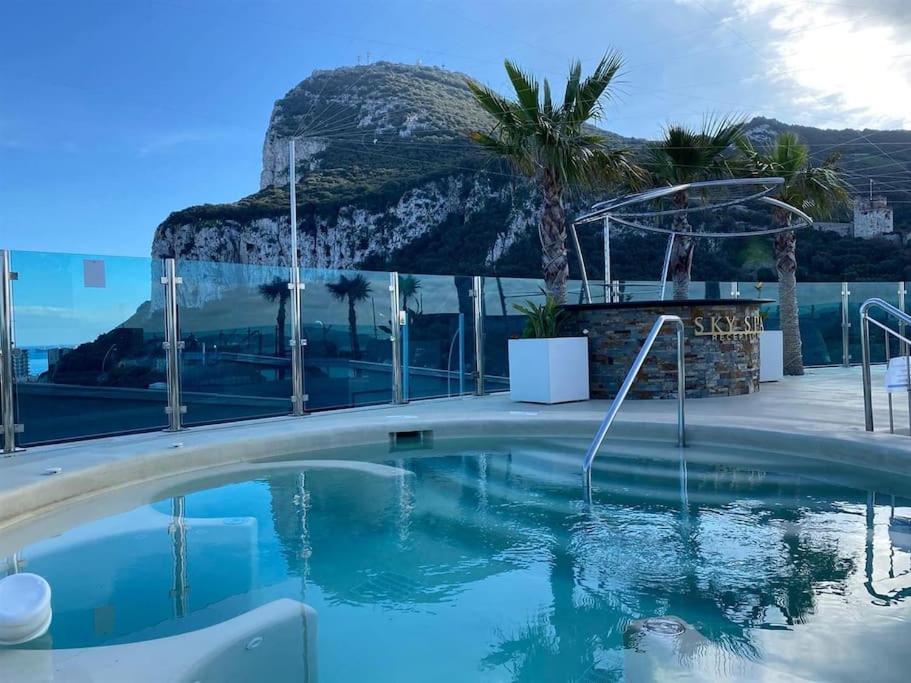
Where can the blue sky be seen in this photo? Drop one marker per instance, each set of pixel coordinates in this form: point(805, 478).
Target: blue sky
point(115, 113)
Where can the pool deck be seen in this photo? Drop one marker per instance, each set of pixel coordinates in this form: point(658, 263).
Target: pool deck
point(820, 413)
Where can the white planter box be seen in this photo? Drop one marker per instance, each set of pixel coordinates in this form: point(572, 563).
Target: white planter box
point(771, 356)
point(548, 370)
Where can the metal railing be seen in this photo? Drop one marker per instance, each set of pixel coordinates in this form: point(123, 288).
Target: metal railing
point(865, 320)
point(628, 381)
point(7, 400)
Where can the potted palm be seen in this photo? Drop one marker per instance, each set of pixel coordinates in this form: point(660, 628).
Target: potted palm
point(543, 366)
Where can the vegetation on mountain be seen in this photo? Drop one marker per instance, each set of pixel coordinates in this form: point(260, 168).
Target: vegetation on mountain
point(549, 143)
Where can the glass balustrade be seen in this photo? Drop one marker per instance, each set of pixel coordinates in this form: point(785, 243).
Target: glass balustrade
point(89, 333)
point(235, 325)
point(89, 358)
point(345, 323)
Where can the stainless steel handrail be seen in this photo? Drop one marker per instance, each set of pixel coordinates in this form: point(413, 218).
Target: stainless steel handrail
point(628, 383)
point(865, 321)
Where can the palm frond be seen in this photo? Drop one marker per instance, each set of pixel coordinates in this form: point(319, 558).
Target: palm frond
point(595, 87)
point(527, 91)
point(502, 110)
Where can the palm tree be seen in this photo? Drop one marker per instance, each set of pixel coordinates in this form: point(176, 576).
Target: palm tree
point(353, 289)
point(686, 155)
point(277, 290)
point(817, 190)
point(554, 144)
point(409, 286)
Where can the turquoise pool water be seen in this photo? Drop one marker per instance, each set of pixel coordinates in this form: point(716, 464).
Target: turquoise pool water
point(486, 562)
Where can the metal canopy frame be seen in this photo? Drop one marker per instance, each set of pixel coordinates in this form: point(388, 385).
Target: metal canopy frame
point(607, 211)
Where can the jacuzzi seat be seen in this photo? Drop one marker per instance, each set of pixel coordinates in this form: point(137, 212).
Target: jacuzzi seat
point(25, 608)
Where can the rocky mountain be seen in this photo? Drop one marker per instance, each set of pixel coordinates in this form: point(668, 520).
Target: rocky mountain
point(389, 180)
point(383, 161)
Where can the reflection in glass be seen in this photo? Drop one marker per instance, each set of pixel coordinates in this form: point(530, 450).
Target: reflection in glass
point(88, 331)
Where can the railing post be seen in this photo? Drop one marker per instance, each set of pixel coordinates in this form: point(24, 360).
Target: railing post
point(7, 402)
point(395, 337)
point(845, 326)
point(298, 394)
point(902, 291)
point(735, 290)
point(681, 387)
point(461, 354)
point(477, 294)
point(298, 397)
point(865, 370)
point(172, 345)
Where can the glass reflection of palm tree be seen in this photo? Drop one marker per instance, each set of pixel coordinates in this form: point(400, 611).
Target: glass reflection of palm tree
point(409, 286)
point(277, 291)
point(353, 290)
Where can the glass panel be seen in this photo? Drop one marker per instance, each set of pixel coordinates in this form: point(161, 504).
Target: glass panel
point(235, 324)
point(348, 357)
point(503, 322)
point(438, 342)
point(89, 332)
point(860, 292)
point(819, 306)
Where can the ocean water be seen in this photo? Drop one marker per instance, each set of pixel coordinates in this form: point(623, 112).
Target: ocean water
point(487, 562)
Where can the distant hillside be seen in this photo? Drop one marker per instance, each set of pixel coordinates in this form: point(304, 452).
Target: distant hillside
point(388, 179)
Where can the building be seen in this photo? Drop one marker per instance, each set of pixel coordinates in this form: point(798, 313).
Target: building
point(20, 365)
point(872, 217)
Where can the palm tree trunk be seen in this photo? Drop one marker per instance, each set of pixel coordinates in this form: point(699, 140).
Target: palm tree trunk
point(786, 264)
point(352, 330)
point(681, 264)
point(552, 232)
point(682, 259)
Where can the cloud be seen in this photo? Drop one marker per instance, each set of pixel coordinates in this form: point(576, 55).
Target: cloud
point(847, 65)
point(179, 138)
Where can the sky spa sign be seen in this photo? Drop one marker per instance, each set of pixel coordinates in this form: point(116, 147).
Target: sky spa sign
point(720, 326)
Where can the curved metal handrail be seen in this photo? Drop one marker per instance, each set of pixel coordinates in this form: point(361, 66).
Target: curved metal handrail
point(865, 321)
point(628, 383)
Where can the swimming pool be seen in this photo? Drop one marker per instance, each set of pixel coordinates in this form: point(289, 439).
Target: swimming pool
point(463, 561)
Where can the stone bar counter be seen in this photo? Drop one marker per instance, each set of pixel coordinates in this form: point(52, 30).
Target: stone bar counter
point(721, 341)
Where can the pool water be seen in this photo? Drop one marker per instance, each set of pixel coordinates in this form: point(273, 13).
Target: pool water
point(487, 562)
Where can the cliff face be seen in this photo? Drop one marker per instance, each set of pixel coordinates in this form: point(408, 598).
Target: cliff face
point(384, 162)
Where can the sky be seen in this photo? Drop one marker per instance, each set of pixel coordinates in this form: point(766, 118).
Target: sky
point(114, 113)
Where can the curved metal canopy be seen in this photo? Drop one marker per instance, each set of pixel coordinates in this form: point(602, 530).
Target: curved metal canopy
point(609, 208)
point(624, 210)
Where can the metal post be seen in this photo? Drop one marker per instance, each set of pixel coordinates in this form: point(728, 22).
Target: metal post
point(7, 399)
point(477, 293)
point(461, 354)
point(585, 286)
point(681, 389)
point(889, 393)
point(845, 326)
point(172, 345)
point(667, 263)
point(394, 337)
point(902, 291)
point(404, 332)
point(735, 291)
point(865, 370)
point(608, 284)
point(298, 397)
